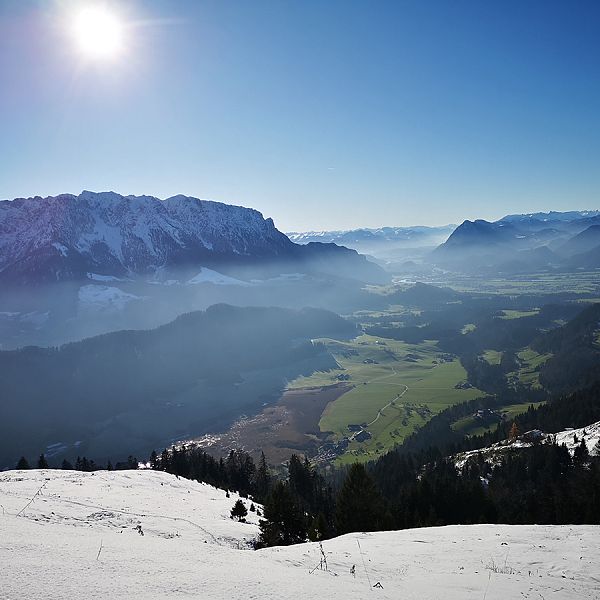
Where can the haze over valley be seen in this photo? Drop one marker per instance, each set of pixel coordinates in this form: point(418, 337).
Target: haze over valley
point(299, 300)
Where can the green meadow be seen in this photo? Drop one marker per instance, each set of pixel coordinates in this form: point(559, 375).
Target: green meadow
point(397, 387)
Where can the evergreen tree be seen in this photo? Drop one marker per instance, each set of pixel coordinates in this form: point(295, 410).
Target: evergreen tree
point(359, 503)
point(239, 511)
point(283, 522)
point(23, 464)
point(514, 431)
point(581, 454)
point(165, 461)
point(66, 465)
point(154, 460)
point(42, 462)
point(262, 480)
point(318, 528)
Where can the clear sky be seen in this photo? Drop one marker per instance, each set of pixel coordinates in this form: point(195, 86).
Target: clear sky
point(321, 114)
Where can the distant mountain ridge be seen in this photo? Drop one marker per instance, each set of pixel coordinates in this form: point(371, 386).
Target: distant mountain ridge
point(66, 236)
point(389, 246)
point(520, 243)
point(414, 234)
point(553, 215)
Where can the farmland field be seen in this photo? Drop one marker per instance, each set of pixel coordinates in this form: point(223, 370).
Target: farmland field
point(493, 357)
point(396, 387)
point(529, 363)
point(517, 314)
point(473, 426)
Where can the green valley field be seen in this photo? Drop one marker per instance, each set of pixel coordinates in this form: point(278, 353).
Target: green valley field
point(396, 388)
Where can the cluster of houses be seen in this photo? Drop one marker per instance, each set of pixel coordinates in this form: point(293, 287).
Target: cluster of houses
point(330, 450)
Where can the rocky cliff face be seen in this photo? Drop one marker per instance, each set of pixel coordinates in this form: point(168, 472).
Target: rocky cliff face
point(66, 236)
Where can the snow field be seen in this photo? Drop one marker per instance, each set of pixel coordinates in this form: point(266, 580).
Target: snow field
point(79, 538)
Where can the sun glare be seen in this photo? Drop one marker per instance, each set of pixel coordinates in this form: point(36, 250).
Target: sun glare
point(98, 33)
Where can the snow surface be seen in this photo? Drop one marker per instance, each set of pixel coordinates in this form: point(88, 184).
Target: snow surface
point(103, 296)
point(78, 539)
point(591, 435)
point(98, 277)
point(61, 248)
point(216, 278)
point(494, 453)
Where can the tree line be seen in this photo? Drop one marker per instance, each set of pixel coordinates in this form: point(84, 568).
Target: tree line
point(412, 488)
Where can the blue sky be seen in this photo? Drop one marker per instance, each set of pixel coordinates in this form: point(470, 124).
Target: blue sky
point(321, 114)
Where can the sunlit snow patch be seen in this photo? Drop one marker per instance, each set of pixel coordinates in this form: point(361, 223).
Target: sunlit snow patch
point(216, 278)
point(103, 296)
point(98, 277)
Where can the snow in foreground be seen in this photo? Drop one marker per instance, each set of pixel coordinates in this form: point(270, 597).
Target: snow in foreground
point(79, 538)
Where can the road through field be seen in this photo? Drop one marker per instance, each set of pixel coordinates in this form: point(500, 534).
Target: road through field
point(398, 396)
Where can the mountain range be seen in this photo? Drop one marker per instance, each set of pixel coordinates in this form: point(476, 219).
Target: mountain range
point(521, 243)
point(387, 245)
point(66, 237)
point(415, 236)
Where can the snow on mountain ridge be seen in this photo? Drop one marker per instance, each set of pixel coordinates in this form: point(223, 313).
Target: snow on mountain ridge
point(127, 234)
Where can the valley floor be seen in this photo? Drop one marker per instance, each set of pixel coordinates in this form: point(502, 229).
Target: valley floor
point(66, 534)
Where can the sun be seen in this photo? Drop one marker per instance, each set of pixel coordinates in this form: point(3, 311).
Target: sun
point(98, 33)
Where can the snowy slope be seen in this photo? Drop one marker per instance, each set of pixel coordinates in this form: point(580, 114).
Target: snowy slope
point(216, 278)
point(104, 297)
point(77, 539)
point(571, 438)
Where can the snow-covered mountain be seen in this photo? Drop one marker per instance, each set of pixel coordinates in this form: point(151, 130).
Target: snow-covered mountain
point(68, 534)
point(382, 236)
point(391, 247)
point(65, 237)
point(552, 215)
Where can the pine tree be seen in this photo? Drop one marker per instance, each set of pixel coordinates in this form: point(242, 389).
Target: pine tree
point(359, 504)
point(165, 461)
point(283, 522)
point(42, 462)
point(66, 465)
point(318, 528)
point(262, 480)
point(23, 464)
point(514, 431)
point(581, 454)
point(154, 460)
point(239, 511)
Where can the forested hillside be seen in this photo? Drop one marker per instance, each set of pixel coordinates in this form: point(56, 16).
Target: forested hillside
point(129, 391)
